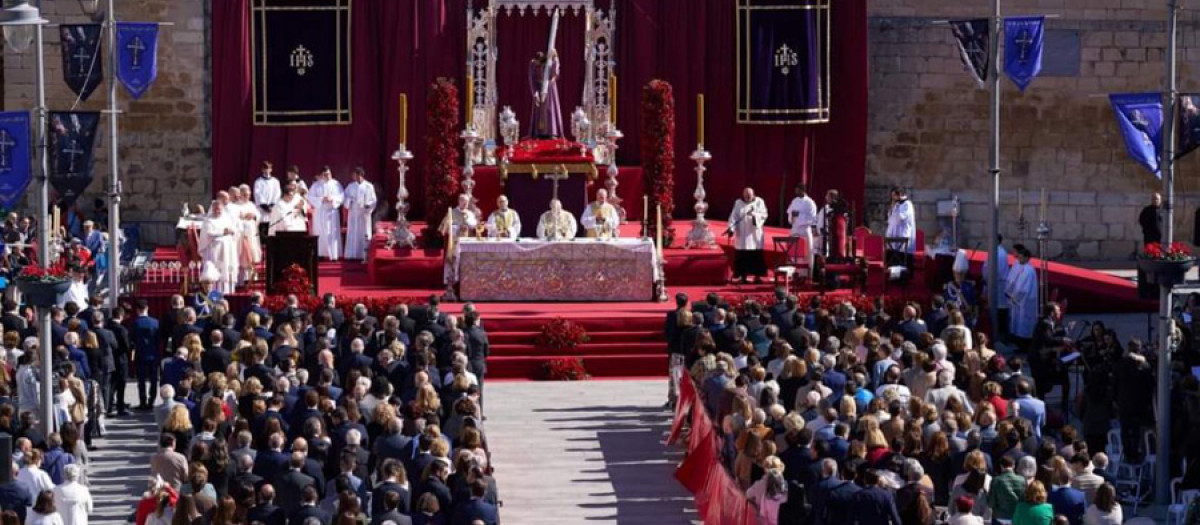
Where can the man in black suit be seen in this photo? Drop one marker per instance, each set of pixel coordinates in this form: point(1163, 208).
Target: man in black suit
point(245, 476)
point(938, 318)
point(108, 366)
point(392, 445)
point(230, 336)
point(267, 511)
point(308, 410)
point(407, 324)
point(188, 326)
point(122, 353)
point(308, 509)
point(216, 358)
point(911, 326)
point(476, 510)
point(272, 463)
point(391, 501)
point(291, 310)
point(838, 505)
point(688, 337)
point(797, 335)
point(329, 304)
point(387, 486)
point(1049, 340)
point(478, 347)
point(11, 319)
point(292, 484)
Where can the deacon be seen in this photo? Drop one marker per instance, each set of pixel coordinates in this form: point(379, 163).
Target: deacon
point(248, 218)
point(290, 214)
point(360, 205)
point(802, 214)
point(218, 248)
point(902, 224)
point(1022, 294)
point(556, 224)
point(600, 219)
point(504, 223)
point(326, 196)
point(460, 219)
point(746, 227)
point(266, 193)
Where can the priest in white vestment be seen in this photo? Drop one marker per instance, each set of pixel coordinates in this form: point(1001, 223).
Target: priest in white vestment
point(746, 226)
point(902, 223)
point(77, 292)
point(326, 198)
point(557, 224)
point(1001, 281)
point(290, 214)
point(218, 249)
point(460, 219)
point(504, 223)
point(600, 218)
point(249, 247)
point(360, 206)
point(802, 214)
point(1022, 294)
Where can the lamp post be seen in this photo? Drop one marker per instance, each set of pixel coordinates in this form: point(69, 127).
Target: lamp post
point(22, 24)
point(1162, 484)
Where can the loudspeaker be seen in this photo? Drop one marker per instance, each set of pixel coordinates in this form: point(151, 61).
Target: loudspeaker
point(6, 447)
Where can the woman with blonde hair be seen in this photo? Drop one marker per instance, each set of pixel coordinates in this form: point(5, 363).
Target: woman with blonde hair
point(179, 424)
point(1033, 509)
point(877, 445)
point(770, 492)
point(427, 401)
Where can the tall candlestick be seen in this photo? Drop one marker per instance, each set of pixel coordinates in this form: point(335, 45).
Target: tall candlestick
point(658, 211)
point(645, 208)
point(404, 118)
point(612, 99)
point(470, 100)
point(1042, 211)
point(56, 222)
point(700, 122)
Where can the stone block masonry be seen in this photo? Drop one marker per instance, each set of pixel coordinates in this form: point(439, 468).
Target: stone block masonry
point(165, 137)
point(928, 127)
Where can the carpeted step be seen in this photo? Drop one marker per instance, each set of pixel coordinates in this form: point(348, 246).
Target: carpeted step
point(600, 365)
point(593, 322)
point(585, 350)
point(648, 336)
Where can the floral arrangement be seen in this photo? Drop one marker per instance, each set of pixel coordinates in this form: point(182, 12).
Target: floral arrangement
point(561, 335)
point(294, 281)
point(565, 369)
point(35, 273)
point(1177, 251)
point(379, 307)
point(861, 303)
point(658, 151)
point(441, 157)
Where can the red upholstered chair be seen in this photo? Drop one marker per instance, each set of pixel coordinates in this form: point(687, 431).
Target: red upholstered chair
point(919, 252)
point(794, 267)
point(860, 239)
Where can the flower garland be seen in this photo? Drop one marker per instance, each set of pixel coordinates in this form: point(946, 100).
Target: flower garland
point(561, 335)
point(658, 151)
point(565, 369)
point(441, 157)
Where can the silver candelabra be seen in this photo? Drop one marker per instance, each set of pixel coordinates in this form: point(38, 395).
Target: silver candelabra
point(401, 235)
point(700, 236)
point(613, 135)
point(471, 140)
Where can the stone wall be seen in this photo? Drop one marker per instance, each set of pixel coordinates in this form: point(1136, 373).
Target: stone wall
point(929, 123)
point(165, 137)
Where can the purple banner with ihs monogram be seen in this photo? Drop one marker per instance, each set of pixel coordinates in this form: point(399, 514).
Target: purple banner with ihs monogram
point(783, 61)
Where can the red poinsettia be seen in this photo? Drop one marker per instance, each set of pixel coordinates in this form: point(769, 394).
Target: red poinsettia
point(561, 335)
point(294, 281)
point(658, 150)
point(1176, 251)
point(566, 369)
point(55, 273)
point(441, 157)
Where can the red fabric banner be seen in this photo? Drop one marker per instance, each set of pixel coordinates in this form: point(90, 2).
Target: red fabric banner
point(719, 499)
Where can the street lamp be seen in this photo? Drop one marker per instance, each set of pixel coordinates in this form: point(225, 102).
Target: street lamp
point(22, 24)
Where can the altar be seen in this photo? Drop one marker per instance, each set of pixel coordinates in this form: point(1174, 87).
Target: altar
point(576, 270)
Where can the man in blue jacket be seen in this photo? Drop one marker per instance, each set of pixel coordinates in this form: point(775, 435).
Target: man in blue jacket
point(146, 344)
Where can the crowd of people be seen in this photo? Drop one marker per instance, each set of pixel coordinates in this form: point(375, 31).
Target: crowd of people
point(840, 416)
point(285, 417)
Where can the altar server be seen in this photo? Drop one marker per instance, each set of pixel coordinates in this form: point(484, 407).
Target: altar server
point(290, 214)
point(902, 223)
point(601, 219)
point(460, 219)
point(218, 248)
point(556, 224)
point(1022, 294)
point(360, 205)
point(746, 227)
point(802, 214)
point(293, 177)
point(247, 217)
point(326, 196)
point(504, 223)
point(266, 192)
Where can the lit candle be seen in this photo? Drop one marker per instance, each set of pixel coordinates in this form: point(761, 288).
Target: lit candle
point(470, 100)
point(612, 99)
point(404, 118)
point(658, 210)
point(700, 122)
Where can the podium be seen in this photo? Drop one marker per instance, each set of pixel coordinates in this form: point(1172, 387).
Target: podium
point(288, 248)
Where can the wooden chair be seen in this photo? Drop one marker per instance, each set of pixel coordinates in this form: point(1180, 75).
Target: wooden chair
point(795, 265)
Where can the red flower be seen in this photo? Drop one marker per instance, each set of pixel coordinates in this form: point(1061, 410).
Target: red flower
point(56, 272)
point(1177, 251)
point(561, 335)
point(658, 149)
point(441, 158)
point(294, 281)
point(566, 369)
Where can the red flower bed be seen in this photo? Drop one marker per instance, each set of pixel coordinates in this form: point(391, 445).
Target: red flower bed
point(561, 335)
point(442, 170)
point(1177, 251)
point(567, 369)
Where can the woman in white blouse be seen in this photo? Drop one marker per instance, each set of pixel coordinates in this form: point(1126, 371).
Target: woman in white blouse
point(43, 512)
point(1104, 510)
point(32, 477)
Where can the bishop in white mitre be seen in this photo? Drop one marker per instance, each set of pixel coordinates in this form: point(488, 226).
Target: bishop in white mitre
point(600, 218)
point(802, 214)
point(746, 226)
point(504, 223)
point(460, 219)
point(326, 197)
point(1021, 291)
point(218, 248)
point(360, 205)
point(557, 224)
point(290, 214)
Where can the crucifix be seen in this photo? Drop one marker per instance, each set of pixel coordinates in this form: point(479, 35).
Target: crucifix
point(72, 151)
point(136, 47)
point(559, 173)
point(1023, 41)
point(83, 57)
point(6, 146)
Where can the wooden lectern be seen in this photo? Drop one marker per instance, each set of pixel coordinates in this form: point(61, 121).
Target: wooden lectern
point(287, 248)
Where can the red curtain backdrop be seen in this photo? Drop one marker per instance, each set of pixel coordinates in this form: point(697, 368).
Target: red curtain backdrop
point(401, 46)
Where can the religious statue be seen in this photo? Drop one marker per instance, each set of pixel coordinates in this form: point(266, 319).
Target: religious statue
point(546, 120)
point(556, 224)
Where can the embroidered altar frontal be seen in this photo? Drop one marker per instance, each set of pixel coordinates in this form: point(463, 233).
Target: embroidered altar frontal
point(783, 61)
point(301, 54)
point(579, 270)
